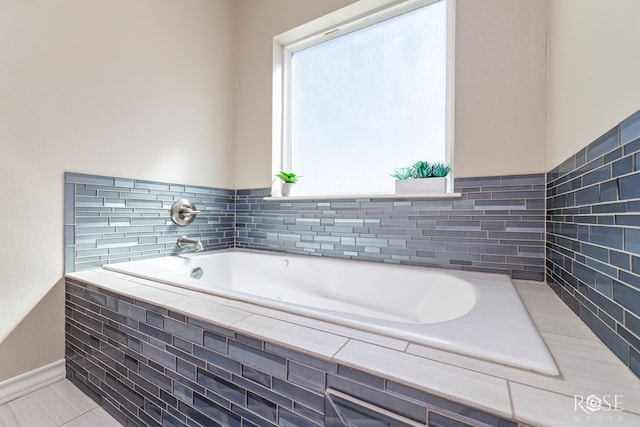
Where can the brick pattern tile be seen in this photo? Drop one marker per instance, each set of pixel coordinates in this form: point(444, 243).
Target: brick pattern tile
point(111, 219)
point(593, 240)
point(496, 226)
point(148, 366)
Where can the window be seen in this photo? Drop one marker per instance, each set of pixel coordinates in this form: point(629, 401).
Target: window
point(362, 100)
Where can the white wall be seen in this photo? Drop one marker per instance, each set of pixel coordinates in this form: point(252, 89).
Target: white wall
point(142, 89)
point(501, 87)
point(500, 74)
point(593, 71)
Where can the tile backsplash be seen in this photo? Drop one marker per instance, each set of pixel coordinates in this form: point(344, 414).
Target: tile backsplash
point(593, 240)
point(496, 225)
point(110, 219)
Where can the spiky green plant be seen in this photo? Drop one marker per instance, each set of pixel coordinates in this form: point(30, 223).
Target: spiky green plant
point(288, 177)
point(402, 173)
point(440, 170)
point(421, 170)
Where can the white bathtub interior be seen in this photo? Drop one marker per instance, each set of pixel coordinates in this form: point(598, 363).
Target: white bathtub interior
point(475, 314)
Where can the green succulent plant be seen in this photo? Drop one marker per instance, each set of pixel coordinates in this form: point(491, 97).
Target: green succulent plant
point(440, 170)
point(402, 173)
point(288, 177)
point(421, 170)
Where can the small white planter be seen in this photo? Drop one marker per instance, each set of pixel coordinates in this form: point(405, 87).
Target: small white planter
point(421, 186)
point(286, 189)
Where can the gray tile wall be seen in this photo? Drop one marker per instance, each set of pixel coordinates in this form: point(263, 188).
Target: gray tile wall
point(496, 226)
point(111, 219)
point(593, 241)
point(151, 367)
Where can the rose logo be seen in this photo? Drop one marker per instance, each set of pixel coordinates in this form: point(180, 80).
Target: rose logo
point(593, 403)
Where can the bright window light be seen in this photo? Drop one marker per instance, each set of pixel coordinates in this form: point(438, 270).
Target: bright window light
point(367, 102)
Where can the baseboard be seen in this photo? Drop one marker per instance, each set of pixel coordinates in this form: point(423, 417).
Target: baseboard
point(30, 381)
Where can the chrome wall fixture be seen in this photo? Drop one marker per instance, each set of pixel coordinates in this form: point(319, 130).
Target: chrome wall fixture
point(185, 242)
point(183, 212)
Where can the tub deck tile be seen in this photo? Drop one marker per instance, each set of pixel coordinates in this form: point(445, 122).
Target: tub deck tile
point(560, 410)
point(158, 296)
point(549, 313)
point(468, 387)
point(587, 367)
point(584, 369)
point(292, 335)
point(208, 310)
point(343, 331)
point(470, 363)
point(320, 325)
point(115, 283)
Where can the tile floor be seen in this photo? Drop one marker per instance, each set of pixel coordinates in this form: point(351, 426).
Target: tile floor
point(58, 404)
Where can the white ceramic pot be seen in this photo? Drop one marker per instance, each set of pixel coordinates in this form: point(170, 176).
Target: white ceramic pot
point(286, 189)
point(421, 186)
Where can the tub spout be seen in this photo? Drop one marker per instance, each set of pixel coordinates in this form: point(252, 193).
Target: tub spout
point(185, 242)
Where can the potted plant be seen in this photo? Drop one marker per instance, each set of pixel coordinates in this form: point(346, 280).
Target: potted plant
point(422, 178)
point(287, 178)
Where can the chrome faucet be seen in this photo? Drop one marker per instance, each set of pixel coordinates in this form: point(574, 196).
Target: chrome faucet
point(185, 242)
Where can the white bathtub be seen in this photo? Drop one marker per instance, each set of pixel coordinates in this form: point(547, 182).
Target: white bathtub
point(475, 314)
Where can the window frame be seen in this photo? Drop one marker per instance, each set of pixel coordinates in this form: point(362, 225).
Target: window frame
point(328, 27)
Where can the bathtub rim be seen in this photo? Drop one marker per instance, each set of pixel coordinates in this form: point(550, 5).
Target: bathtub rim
point(531, 351)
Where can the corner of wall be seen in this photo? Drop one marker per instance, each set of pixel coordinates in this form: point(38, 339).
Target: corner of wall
point(593, 237)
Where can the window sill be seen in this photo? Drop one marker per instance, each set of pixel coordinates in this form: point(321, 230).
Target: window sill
point(432, 196)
